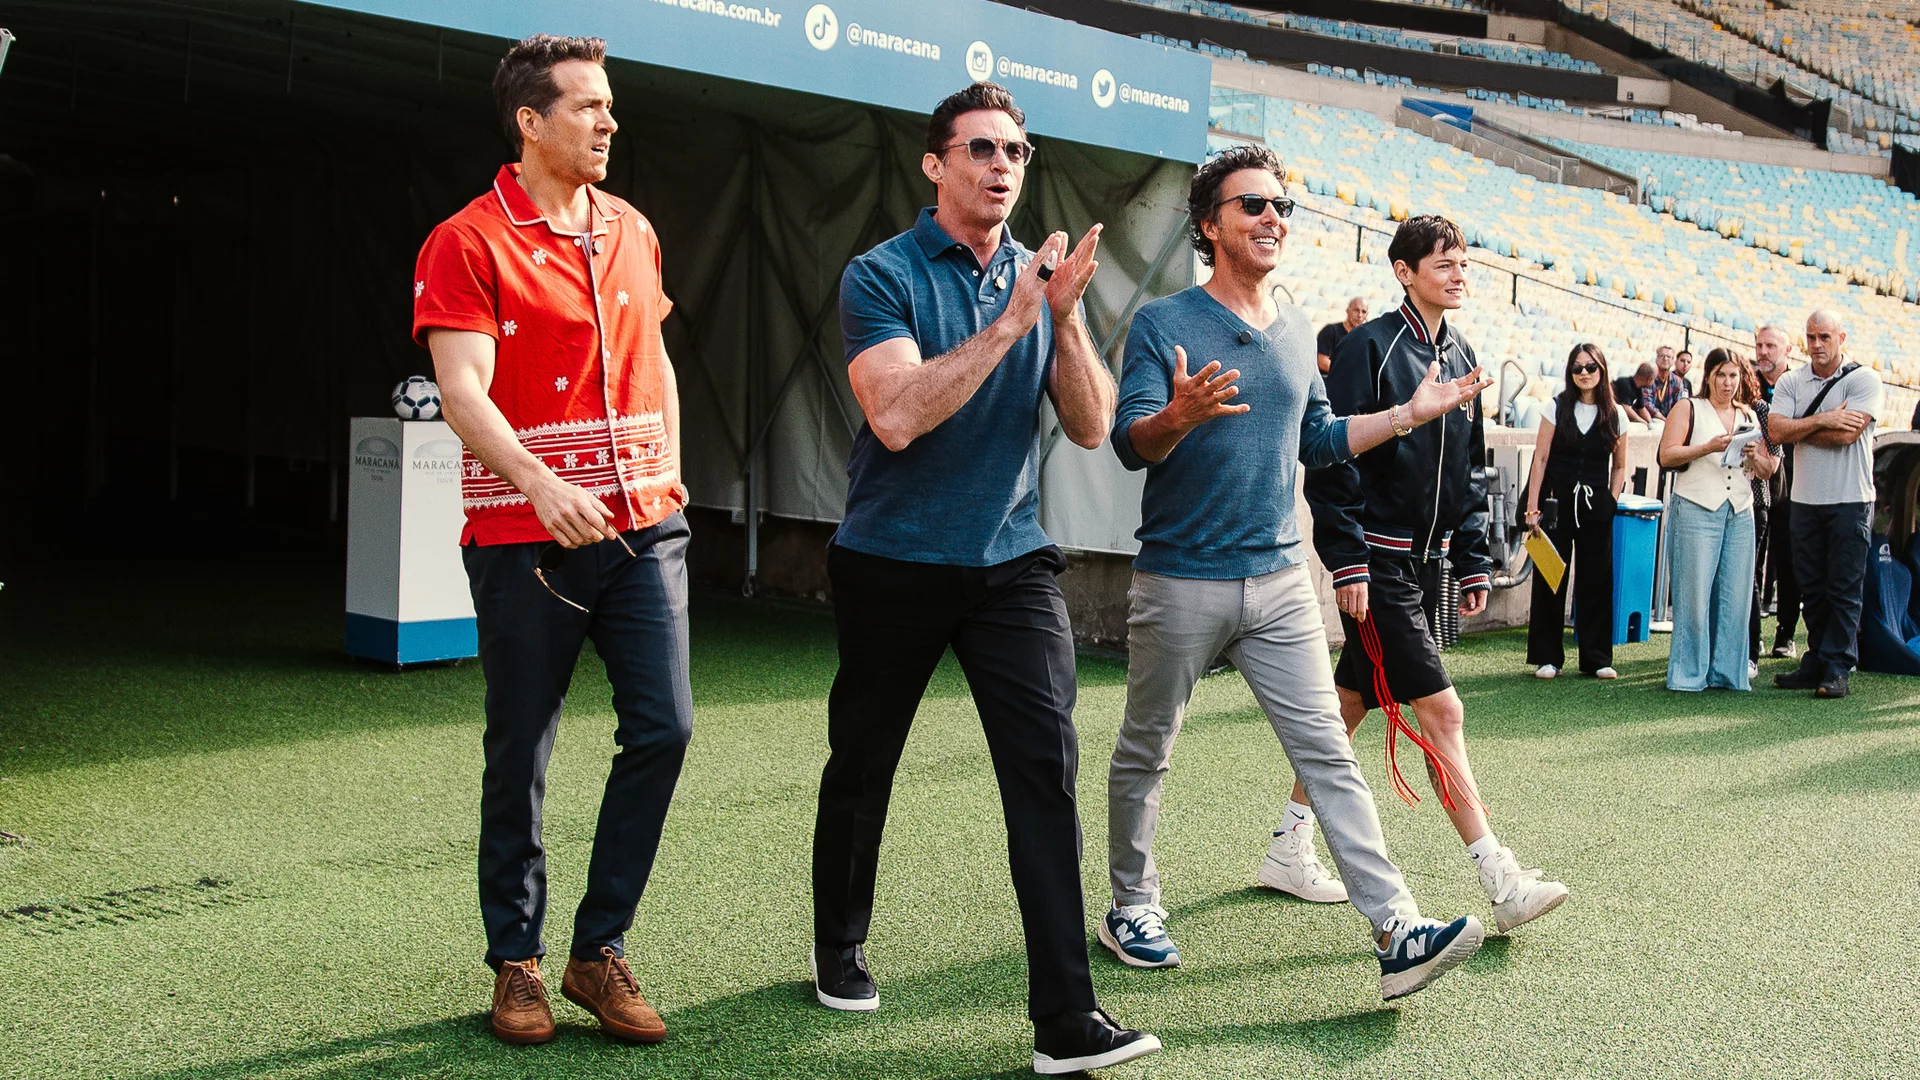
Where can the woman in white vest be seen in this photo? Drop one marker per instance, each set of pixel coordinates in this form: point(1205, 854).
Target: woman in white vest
point(1712, 528)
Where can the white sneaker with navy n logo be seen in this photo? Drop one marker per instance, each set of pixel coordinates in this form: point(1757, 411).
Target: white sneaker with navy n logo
point(1421, 950)
point(1137, 934)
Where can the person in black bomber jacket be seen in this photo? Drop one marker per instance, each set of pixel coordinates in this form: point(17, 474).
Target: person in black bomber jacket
point(1383, 522)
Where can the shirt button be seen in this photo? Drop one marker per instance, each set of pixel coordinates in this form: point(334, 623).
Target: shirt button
point(976, 273)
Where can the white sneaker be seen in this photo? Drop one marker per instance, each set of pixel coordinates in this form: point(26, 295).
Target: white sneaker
point(1293, 867)
point(1519, 896)
point(1606, 673)
point(1546, 671)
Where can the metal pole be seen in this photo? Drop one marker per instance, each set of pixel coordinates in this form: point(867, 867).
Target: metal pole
point(756, 347)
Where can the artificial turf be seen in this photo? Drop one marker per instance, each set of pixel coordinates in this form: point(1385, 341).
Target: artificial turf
point(244, 856)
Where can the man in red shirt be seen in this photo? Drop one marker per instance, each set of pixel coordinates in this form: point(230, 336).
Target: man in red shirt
point(541, 302)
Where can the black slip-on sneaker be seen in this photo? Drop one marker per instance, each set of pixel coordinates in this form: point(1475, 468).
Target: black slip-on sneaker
point(841, 980)
point(1835, 687)
point(1797, 679)
point(1075, 1042)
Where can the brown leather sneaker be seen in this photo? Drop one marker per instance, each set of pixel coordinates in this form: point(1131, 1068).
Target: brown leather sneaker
point(605, 988)
point(520, 1012)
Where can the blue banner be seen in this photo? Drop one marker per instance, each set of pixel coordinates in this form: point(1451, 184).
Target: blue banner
point(1073, 81)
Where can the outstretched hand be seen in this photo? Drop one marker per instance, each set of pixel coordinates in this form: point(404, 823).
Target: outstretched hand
point(1433, 397)
point(1202, 396)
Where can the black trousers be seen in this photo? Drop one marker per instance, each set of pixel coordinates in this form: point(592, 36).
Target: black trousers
point(529, 644)
point(1782, 582)
point(1830, 544)
point(1007, 625)
point(1585, 540)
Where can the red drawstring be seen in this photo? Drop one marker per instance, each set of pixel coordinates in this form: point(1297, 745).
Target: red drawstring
point(1397, 725)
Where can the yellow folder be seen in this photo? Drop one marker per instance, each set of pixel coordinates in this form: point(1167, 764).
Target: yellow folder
point(1546, 559)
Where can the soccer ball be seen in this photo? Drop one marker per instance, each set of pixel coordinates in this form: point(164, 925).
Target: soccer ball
point(417, 398)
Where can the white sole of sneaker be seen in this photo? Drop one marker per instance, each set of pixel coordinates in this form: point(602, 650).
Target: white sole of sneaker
point(1417, 979)
point(1270, 878)
point(1106, 939)
point(831, 1002)
point(1504, 921)
point(1139, 1048)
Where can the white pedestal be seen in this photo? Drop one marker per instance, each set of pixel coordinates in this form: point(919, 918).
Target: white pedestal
point(407, 596)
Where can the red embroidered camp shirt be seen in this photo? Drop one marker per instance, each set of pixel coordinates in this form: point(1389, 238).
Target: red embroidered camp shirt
point(579, 370)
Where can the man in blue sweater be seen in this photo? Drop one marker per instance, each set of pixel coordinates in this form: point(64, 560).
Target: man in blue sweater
point(1222, 569)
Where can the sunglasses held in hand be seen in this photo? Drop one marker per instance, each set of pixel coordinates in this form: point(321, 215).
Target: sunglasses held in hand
point(552, 558)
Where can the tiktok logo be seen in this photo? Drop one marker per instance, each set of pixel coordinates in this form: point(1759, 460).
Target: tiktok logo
point(822, 27)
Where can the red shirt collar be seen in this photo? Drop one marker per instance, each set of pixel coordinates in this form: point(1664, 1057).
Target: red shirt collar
point(521, 211)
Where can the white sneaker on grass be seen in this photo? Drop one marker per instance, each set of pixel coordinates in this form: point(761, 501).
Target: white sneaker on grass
point(1519, 896)
point(1293, 867)
point(1545, 671)
point(1606, 673)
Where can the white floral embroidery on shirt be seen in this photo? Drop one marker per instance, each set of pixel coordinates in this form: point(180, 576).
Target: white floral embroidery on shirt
point(622, 297)
point(418, 288)
point(560, 383)
point(509, 327)
point(539, 257)
point(570, 461)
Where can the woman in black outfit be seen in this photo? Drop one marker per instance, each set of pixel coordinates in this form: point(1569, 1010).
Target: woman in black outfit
point(1580, 459)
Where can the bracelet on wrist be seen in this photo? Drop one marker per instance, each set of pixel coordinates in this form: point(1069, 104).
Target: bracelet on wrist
point(1393, 418)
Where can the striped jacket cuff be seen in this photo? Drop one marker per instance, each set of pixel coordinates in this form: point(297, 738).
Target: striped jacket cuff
point(1351, 575)
point(1476, 582)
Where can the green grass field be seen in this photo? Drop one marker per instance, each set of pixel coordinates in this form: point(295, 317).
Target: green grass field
point(244, 856)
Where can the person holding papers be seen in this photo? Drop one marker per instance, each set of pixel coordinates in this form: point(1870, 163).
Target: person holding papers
point(1580, 462)
point(1711, 443)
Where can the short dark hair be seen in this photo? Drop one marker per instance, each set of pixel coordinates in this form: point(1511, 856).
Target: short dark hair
point(524, 78)
point(988, 96)
point(1204, 192)
point(1419, 237)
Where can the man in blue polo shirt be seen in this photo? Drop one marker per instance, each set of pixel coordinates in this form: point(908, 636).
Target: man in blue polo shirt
point(1222, 569)
point(955, 336)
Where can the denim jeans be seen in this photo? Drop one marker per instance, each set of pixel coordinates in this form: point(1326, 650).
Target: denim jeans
point(1712, 591)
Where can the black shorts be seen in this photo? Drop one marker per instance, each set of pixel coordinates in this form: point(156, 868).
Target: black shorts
point(1403, 600)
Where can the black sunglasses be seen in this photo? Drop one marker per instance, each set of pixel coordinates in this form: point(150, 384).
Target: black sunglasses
point(1255, 205)
point(981, 150)
point(552, 558)
point(1583, 369)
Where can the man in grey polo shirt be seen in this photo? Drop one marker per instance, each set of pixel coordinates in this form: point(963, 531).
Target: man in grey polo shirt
point(1826, 411)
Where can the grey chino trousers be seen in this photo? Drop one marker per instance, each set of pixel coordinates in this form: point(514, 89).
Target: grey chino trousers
point(1270, 627)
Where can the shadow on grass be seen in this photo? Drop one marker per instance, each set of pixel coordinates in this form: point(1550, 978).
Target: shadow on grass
point(774, 1031)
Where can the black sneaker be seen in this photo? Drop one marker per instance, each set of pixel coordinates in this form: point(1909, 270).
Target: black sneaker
point(1797, 679)
point(1835, 687)
point(1075, 1041)
point(841, 980)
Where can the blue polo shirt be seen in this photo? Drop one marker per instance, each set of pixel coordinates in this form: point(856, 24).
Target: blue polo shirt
point(965, 493)
point(1221, 504)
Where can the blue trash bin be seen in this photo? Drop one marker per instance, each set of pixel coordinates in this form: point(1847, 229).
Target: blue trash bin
point(1636, 542)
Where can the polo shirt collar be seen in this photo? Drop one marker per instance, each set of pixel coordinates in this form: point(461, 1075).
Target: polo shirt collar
point(935, 241)
point(521, 211)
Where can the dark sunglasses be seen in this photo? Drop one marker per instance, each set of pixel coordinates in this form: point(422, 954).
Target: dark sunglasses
point(552, 558)
point(981, 150)
point(1255, 205)
point(1583, 369)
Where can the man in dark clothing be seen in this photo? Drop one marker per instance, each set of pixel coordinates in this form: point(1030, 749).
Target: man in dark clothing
point(1631, 393)
point(1331, 333)
point(1770, 347)
point(1383, 522)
